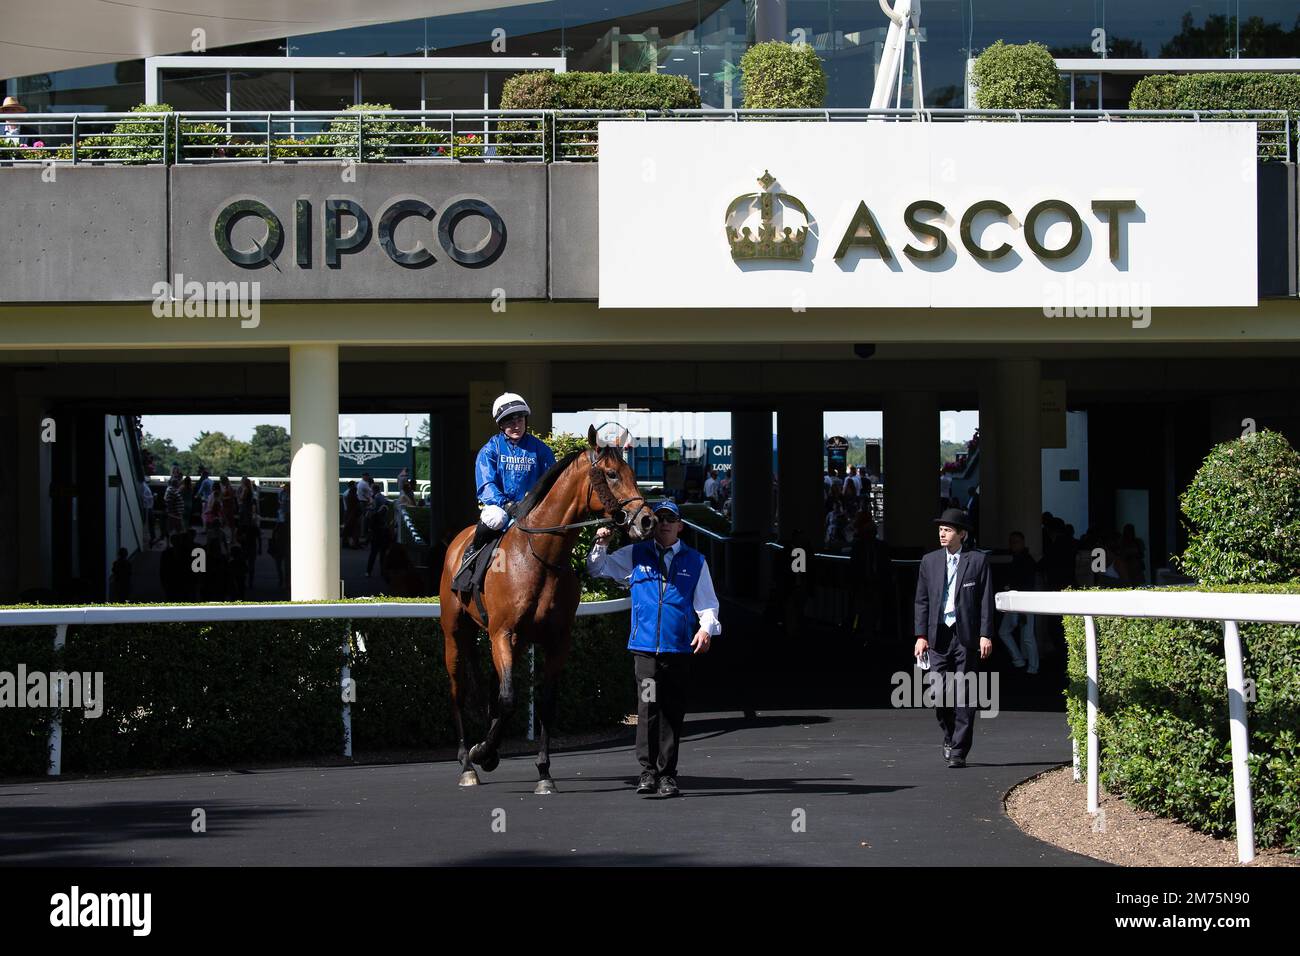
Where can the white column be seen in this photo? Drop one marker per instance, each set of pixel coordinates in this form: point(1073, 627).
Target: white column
point(532, 380)
point(314, 472)
point(910, 461)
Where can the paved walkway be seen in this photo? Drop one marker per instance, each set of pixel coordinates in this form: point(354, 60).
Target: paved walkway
point(869, 786)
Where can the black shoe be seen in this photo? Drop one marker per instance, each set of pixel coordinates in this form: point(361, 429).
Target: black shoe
point(947, 751)
point(955, 763)
point(668, 787)
point(647, 783)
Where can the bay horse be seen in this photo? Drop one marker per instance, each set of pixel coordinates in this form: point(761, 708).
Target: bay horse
point(531, 592)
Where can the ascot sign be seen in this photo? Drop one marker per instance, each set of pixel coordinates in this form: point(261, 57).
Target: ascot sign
point(923, 215)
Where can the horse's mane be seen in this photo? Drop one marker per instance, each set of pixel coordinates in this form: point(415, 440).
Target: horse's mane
point(548, 480)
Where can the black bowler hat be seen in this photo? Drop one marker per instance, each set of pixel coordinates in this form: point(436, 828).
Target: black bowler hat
point(955, 517)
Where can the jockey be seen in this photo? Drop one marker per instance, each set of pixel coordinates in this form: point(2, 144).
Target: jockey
point(507, 467)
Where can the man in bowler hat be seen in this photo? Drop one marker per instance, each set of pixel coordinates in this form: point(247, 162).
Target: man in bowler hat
point(954, 618)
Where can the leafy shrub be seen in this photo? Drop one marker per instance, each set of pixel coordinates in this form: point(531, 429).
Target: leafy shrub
point(234, 693)
point(1242, 513)
point(1010, 76)
point(632, 93)
point(1163, 718)
point(1226, 91)
point(782, 76)
point(377, 140)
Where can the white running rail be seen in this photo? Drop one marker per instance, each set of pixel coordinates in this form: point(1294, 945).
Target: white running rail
point(1177, 605)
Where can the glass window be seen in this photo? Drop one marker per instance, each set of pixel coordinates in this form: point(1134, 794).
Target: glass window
point(400, 89)
point(323, 89)
point(193, 89)
point(111, 88)
point(1171, 28)
point(453, 90)
point(1116, 89)
point(385, 39)
point(259, 90)
point(1268, 28)
point(1087, 90)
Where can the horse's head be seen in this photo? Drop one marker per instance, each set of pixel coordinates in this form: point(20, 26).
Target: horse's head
point(613, 490)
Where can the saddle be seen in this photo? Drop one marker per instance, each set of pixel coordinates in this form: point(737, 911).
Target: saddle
point(474, 564)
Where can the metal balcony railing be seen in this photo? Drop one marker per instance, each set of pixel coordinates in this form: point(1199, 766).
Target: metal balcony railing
point(516, 136)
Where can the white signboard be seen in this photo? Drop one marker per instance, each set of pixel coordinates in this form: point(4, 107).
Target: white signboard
point(927, 215)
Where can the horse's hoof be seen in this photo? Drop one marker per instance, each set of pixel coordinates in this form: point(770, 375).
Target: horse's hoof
point(468, 779)
point(545, 786)
point(487, 761)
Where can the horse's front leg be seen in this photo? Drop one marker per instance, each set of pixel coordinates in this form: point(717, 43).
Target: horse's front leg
point(485, 753)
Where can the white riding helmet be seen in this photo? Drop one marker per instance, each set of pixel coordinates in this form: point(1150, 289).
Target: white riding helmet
point(509, 404)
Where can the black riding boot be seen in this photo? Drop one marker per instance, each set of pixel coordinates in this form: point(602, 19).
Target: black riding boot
point(464, 578)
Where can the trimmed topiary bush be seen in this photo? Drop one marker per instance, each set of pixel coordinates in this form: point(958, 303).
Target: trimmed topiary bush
point(377, 140)
point(782, 76)
point(1242, 513)
point(1016, 76)
point(1163, 718)
point(1226, 91)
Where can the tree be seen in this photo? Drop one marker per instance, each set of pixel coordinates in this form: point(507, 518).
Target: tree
point(269, 451)
point(1010, 76)
point(222, 454)
point(163, 450)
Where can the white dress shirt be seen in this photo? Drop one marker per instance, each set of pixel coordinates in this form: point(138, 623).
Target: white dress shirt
point(618, 566)
point(950, 606)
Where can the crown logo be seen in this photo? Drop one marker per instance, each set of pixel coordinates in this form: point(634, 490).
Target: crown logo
point(766, 242)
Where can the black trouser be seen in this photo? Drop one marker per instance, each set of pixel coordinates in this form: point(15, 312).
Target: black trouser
point(949, 656)
point(661, 686)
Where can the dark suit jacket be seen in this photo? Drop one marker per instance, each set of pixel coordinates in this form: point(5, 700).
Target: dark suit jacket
point(974, 604)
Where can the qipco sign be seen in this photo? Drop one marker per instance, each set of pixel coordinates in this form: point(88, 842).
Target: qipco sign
point(336, 214)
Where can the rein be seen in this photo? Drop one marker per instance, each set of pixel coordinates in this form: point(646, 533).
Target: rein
point(603, 492)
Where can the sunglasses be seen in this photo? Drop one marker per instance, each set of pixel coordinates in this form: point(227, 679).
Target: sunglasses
point(668, 518)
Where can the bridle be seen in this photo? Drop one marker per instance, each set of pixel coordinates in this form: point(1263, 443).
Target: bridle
point(613, 506)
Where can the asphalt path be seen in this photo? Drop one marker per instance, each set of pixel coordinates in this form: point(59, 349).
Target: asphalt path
point(804, 788)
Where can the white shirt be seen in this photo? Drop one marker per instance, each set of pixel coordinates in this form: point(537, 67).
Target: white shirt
point(710, 485)
point(364, 491)
point(618, 566)
point(950, 606)
point(147, 494)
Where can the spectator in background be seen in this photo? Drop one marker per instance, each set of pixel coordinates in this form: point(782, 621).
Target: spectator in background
point(202, 495)
point(12, 133)
point(724, 487)
point(379, 526)
point(282, 511)
point(407, 498)
point(229, 510)
point(1021, 575)
point(352, 515)
point(174, 505)
point(187, 502)
point(250, 527)
point(869, 577)
point(119, 580)
point(710, 487)
point(212, 513)
point(146, 509)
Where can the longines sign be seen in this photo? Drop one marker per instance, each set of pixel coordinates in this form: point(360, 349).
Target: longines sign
point(1057, 216)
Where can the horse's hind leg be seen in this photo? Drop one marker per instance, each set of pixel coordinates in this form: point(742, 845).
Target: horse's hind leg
point(547, 702)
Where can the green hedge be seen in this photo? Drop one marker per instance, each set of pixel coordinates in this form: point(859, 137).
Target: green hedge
point(1023, 76)
point(623, 92)
point(1163, 717)
point(782, 76)
point(1226, 91)
point(178, 695)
